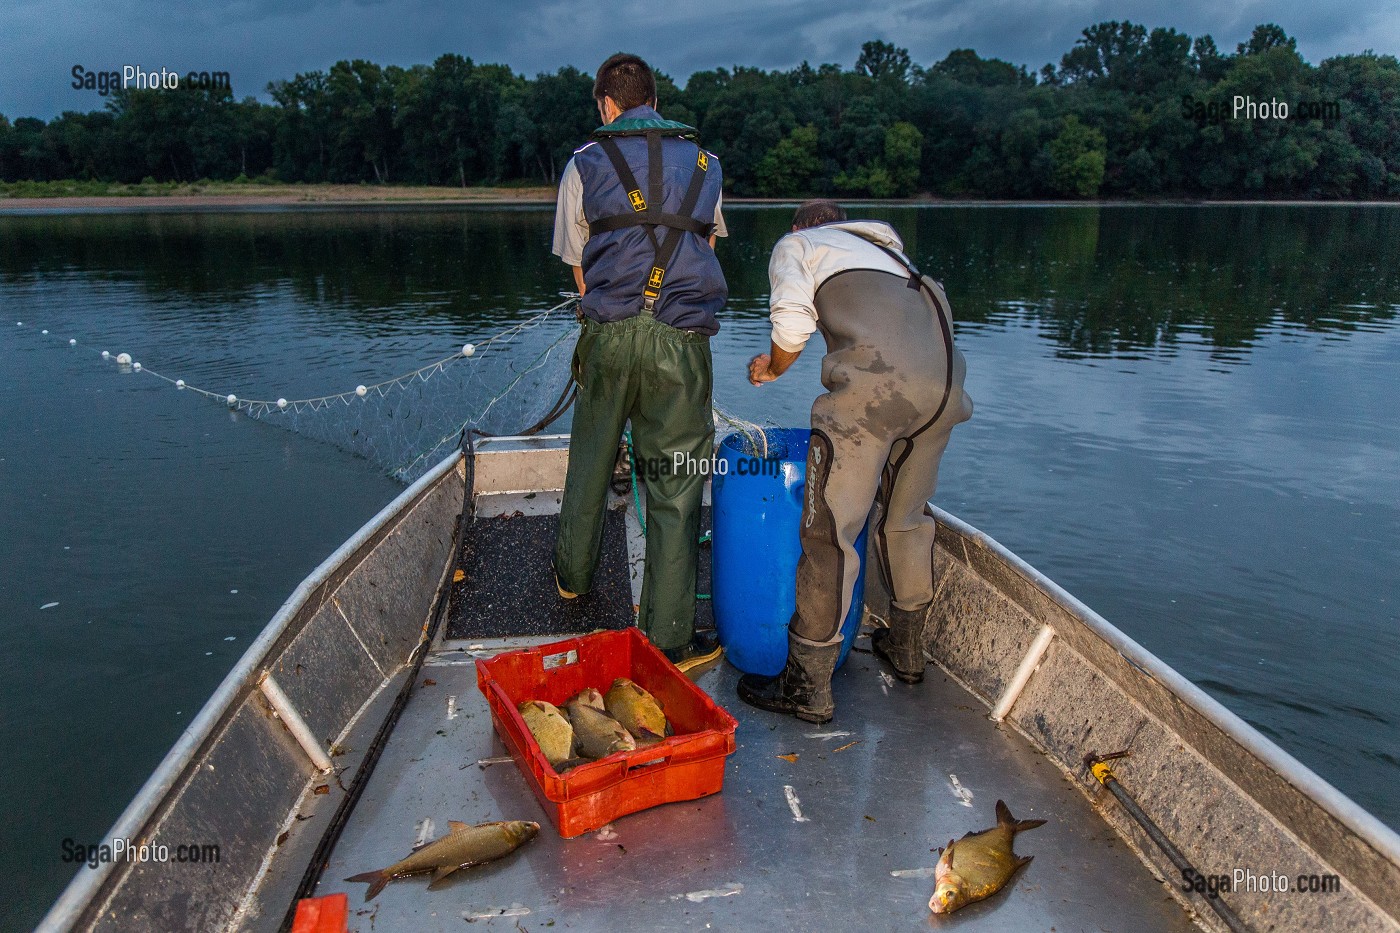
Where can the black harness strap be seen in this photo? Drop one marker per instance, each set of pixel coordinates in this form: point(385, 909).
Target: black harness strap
point(634, 190)
point(916, 281)
point(648, 217)
point(673, 237)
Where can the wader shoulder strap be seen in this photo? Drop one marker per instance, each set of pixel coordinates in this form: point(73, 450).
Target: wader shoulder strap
point(918, 282)
point(916, 278)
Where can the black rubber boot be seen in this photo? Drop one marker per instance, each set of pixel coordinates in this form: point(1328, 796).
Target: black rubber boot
point(803, 689)
point(901, 646)
point(696, 656)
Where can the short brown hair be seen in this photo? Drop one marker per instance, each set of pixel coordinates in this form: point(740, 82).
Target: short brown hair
point(627, 80)
point(820, 211)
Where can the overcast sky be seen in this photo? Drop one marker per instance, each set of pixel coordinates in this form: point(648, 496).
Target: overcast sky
point(261, 40)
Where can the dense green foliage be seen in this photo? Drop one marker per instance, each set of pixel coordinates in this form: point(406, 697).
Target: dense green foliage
point(1127, 113)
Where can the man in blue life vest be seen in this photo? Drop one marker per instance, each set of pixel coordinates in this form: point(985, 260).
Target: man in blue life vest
point(894, 393)
point(637, 217)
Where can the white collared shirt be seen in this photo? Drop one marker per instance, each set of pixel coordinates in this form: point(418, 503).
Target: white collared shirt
point(802, 261)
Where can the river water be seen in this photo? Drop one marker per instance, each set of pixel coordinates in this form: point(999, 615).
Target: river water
point(1184, 415)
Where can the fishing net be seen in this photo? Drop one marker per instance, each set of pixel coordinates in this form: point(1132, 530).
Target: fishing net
point(516, 381)
point(754, 435)
point(510, 383)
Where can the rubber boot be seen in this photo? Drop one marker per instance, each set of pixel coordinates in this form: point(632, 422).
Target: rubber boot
point(901, 646)
point(803, 689)
point(696, 656)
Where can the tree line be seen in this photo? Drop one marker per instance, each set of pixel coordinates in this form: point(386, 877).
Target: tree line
point(1128, 112)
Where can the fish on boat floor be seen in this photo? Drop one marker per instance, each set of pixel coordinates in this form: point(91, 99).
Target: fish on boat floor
point(844, 833)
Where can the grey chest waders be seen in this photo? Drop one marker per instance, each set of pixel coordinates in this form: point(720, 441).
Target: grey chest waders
point(895, 385)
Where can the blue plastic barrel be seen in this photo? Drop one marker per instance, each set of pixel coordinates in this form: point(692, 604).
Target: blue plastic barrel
point(757, 514)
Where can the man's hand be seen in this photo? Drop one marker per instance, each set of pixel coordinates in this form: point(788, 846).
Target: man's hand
point(769, 366)
point(759, 371)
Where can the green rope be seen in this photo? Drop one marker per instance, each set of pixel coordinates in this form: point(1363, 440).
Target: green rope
point(636, 495)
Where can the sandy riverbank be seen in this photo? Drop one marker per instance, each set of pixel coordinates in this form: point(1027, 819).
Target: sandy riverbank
point(137, 197)
point(227, 195)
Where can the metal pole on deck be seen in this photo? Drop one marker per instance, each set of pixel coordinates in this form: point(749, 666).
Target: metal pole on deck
point(1098, 767)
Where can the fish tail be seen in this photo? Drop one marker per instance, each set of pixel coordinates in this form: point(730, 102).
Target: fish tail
point(1004, 818)
point(377, 880)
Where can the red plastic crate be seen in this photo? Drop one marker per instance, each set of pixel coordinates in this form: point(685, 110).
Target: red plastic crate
point(688, 765)
point(329, 914)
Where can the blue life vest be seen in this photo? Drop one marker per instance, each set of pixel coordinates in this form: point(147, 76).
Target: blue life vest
point(649, 195)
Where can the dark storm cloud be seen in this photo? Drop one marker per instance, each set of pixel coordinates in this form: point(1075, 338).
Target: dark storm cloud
point(263, 40)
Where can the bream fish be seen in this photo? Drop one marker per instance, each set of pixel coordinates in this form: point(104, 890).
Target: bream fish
point(596, 734)
point(638, 712)
point(979, 864)
point(552, 731)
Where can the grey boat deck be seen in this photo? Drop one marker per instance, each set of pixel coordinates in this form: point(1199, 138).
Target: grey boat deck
point(740, 860)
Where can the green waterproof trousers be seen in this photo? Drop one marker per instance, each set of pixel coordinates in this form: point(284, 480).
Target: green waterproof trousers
point(660, 379)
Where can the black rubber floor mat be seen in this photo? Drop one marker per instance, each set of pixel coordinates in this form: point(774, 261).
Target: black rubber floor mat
point(508, 585)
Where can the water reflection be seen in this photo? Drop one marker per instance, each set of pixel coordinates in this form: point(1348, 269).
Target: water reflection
point(1124, 281)
point(1097, 281)
point(378, 267)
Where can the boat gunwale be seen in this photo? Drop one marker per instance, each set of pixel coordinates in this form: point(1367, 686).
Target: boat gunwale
point(83, 891)
point(1347, 812)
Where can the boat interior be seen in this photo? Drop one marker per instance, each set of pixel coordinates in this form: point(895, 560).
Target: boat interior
point(835, 826)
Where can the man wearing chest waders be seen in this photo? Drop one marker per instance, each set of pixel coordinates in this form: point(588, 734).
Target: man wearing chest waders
point(638, 213)
point(894, 392)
